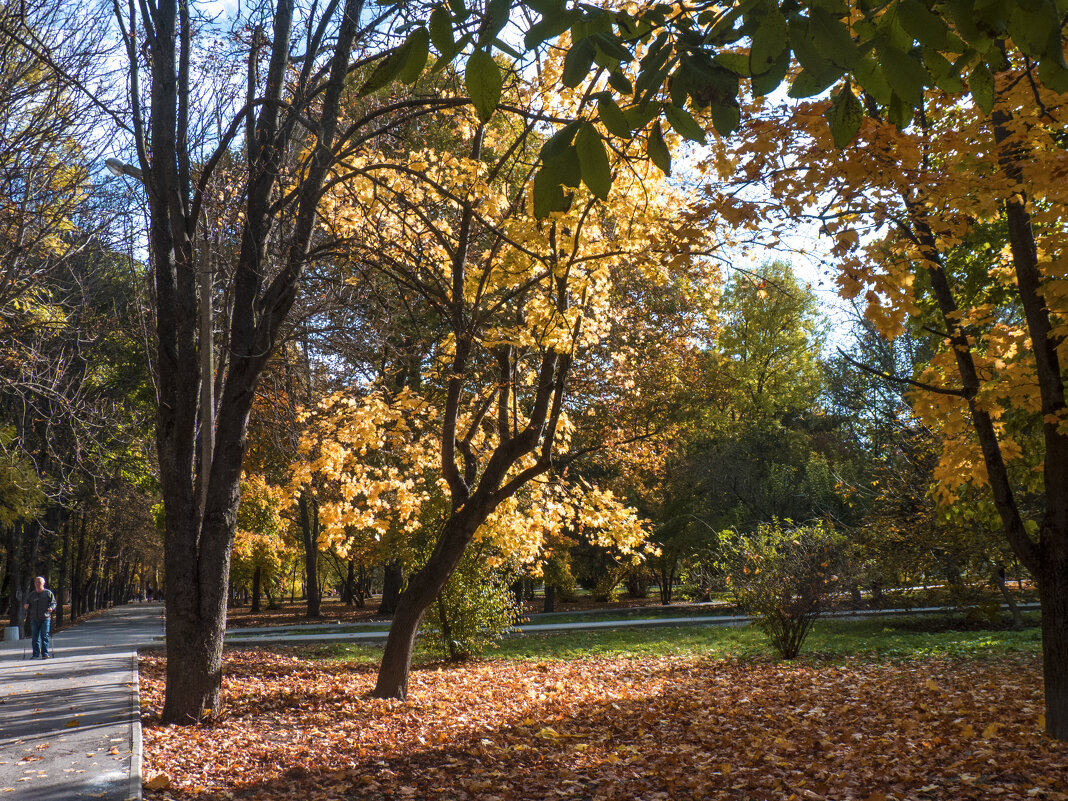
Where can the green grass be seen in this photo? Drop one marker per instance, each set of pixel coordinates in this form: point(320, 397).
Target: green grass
point(895, 639)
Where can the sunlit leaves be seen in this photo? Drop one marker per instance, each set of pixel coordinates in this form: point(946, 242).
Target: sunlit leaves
point(656, 726)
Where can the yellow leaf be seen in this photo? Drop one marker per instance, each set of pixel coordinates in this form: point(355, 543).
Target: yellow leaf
point(161, 781)
point(931, 684)
point(968, 732)
point(990, 730)
point(548, 733)
point(70, 724)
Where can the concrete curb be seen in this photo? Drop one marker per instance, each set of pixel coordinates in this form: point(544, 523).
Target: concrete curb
point(133, 793)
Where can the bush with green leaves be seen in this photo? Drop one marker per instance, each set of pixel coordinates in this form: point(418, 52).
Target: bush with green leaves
point(475, 608)
point(783, 575)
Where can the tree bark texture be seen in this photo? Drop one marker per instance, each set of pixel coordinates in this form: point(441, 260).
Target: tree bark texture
point(1053, 596)
point(200, 533)
point(309, 527)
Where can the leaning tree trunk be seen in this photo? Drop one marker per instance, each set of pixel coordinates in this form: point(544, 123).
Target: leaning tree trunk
point(423, 588)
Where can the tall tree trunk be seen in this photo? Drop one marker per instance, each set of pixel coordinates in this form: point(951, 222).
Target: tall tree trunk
point(309, 526)
point(1053, 595)
point(550, 598)
point(257, 576)
point(350, 584)
point(392, 579)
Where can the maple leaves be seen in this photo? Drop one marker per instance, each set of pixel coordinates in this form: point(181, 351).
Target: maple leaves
point(617, 728)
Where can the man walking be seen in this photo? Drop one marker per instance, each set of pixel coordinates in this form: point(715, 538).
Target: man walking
point(40, 605)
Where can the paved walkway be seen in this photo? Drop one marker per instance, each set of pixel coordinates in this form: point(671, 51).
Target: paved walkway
point(70, 727)
point(377, 632)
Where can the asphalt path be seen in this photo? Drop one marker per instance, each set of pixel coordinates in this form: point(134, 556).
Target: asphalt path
point(70, 726)
point(332, 632)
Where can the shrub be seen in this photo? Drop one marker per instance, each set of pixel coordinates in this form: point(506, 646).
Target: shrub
point(474, 609)
point(783, 575)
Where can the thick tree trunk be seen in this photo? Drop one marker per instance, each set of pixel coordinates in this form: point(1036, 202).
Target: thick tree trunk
point(196, 622)
point(309, 526)
point(1053, 595)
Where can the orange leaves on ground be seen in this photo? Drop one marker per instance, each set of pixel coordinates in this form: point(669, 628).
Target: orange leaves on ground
point(616, 729)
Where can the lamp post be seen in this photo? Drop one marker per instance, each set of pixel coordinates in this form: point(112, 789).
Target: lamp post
point(207, 351)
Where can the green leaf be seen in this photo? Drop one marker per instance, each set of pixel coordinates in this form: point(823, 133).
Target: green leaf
point(483, 81)
point(593, 161)
point(640, 116)
point(738, 63)
point(657, 149)
point(906, 75)
point(496, 17)
point(621, 83)
point(832, 39)
point(845, 116)
point(548, 195)
point(613, 118)
point(418, 45)
point(928, 28)
point(899, 113)
point(769, 40)
point(440, 26)
point(808, 83)
point(564, 167)
point(1053, 75)
point(1031, 30)
point(549, 27)
point(769, 81)
point(726, 117)
point(577, 63)
point(981, 84)
point(546, 7)
point(610, 45)
point(385, 71)
point(559, 141)
point(963, 14)
point(869, 75)
point(684, 123)
point(945, 76)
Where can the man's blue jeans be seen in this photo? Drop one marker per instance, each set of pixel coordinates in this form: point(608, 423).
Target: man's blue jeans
point(39, 633)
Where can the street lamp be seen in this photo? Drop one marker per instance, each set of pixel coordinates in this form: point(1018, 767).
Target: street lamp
point(116, 167)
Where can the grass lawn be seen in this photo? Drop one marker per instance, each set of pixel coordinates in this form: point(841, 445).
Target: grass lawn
point(877, 710)
point(876, 638)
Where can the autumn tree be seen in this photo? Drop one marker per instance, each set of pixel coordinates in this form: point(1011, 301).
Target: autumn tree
point(281, 110)
point(915, 237)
